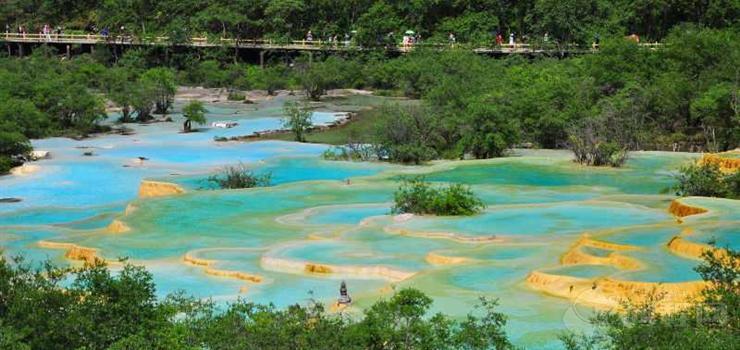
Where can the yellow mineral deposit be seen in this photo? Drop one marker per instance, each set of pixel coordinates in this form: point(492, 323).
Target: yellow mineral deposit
point(681, 210)
point(189, 258)
point(317, 268)
point(609, 293)
point(443, 235)
point(370, 271)
point(439, 259)
point(727, 165)
point(149, 189)
point(73, 251)
point(576, 255)
point(244, 276)
point(682, 247)
point(117, 226)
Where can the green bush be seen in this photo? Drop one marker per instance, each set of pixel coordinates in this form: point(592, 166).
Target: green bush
point(707, 180)
point(593, 144)
point(14, 148)
point(239, 176)
point(417, 196)
point(235, 95)
point(351, 152)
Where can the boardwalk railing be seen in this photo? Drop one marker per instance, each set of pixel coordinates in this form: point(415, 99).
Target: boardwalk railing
point(94, 39)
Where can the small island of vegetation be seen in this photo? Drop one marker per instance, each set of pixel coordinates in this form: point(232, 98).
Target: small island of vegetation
point(417, 196)
point(238, 177)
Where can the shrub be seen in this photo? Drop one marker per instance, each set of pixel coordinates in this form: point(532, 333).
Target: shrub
point(593, 145)
point(297, 119)
point(418, 196)
point(351, 152)
point(239, 176)
point(708, 181)
point(236, 96)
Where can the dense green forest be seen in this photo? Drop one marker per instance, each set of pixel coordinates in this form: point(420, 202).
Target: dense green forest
point(682, 96)
point(471, 20)
point(92, 308)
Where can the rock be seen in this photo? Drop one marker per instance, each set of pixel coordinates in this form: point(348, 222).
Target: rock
point(38, 155)
point(10, 200)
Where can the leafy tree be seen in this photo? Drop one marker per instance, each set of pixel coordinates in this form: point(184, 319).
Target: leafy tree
point(160, 82)
point(194, 112)
point(406, 134)
point(23, 115)
point(14, 147)
point(567, 21)
point(489, 132)
point(121, 87)
point(379, 26)
point(297, 119)
point(717, 109)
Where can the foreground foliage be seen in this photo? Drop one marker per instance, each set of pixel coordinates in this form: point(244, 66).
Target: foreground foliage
point(90, 307)
point(93, 308)
point(417, 196)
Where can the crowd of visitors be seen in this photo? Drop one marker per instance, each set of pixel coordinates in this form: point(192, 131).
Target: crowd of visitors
point(409, 39)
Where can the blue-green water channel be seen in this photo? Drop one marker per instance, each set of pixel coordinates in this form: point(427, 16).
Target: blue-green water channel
point(538, 204)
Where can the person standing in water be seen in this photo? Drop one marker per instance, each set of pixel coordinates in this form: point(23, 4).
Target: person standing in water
point(344, 297)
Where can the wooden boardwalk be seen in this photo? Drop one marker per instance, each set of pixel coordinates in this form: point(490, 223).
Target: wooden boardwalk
point(296, 45)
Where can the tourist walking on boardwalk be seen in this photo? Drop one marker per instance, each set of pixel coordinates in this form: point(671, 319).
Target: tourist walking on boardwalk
point(451, 39)
point(499, 39)
point(46, 30)
point(122, 34)
point(309, 36)
point(511, 39)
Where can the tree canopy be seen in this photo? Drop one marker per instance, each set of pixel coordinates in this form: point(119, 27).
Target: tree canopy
point(372, 21)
